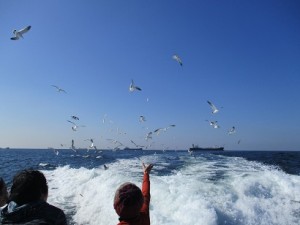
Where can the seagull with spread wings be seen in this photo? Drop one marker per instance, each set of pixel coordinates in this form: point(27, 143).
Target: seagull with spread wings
point(132, 87)
point(74, 128)
point(213, 107)
point(19, 33)
point(59, 89)
point(214, 124)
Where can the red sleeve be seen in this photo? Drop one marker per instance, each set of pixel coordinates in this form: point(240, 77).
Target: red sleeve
point(146, 193)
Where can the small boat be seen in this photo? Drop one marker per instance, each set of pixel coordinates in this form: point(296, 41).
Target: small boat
point(197, 148)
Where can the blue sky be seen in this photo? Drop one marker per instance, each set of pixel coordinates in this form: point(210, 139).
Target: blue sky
point(244, 56)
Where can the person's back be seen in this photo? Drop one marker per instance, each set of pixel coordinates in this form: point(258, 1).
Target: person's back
point(132, 204)
point(27, 202)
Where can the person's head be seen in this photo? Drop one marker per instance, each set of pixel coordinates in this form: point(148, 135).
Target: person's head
point(28, 186)
point(3, 192)
point(128, 200)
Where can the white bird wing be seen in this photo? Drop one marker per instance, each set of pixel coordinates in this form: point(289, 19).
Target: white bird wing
point(213, 107)
point(24, 30)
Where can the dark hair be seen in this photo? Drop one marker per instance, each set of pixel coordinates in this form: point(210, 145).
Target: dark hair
point(28, 186)
point(128, 200)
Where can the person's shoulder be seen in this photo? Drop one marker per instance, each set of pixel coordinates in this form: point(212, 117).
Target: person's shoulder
point(52, 207)
point(51, 212)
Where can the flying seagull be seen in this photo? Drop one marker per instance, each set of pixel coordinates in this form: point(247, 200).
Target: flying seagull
point(75, 117)
point(213, 107)
point(19, 33)
point(92, 144)
point(232, 130)
point(142, 119)
point(59, 89)
point(148, 136)
point(214, 124)
point(56, 152)
point(74, 128)
point(73, 146)
point(176, 57)
point(132, 87)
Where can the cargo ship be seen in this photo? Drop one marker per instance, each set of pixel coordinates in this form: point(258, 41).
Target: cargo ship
point(126, 148)
point(197, 148)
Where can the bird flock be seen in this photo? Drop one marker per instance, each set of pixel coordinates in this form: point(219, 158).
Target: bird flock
point(116, 144)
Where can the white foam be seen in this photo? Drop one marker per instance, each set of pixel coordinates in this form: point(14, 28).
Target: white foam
point(221, 191)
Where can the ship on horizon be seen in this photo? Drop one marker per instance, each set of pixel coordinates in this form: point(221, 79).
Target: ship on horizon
point(197, 148)
point(127, 148)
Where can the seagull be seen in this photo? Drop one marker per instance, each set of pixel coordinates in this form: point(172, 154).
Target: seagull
point(105, 167)
point(142, 119)
point(73, 146)
point(214, 124)
point(20, 33)
point(176, 57)
point(104, 118)
point(132, 87)
point(59, 89)
point(56, 151)
point(148, 136)
point(232, 130)
point(74, 128)
point(74, 117)
point(213, 107)
point(239, 141)
point(92, 144)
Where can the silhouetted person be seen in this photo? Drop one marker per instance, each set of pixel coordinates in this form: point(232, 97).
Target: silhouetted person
point(28, 202)
point(132, 204)
point(3, 194)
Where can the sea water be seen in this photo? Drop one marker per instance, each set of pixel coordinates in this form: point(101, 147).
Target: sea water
point(205, 188)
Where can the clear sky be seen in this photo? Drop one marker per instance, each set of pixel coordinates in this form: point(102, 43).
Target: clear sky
point(244, 56)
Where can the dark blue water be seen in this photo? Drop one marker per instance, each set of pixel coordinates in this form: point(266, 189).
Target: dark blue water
point(213, 188)
point(14, 160)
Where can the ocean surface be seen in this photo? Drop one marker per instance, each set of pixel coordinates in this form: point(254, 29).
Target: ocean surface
point(230, 187)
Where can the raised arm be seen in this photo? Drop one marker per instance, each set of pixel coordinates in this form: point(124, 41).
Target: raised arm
point(146, 188)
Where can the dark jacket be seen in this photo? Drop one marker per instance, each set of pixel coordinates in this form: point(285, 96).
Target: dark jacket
point(32, 214)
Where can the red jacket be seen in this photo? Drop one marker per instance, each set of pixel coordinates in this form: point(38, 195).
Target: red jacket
point(144, 217)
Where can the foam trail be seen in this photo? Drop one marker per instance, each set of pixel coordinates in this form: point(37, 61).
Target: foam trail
point(203, 190)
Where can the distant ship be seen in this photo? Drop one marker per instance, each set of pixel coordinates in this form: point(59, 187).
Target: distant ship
point(126, 148)
point(196, 148)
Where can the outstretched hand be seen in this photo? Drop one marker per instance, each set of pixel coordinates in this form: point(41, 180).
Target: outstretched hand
point(148, 168)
